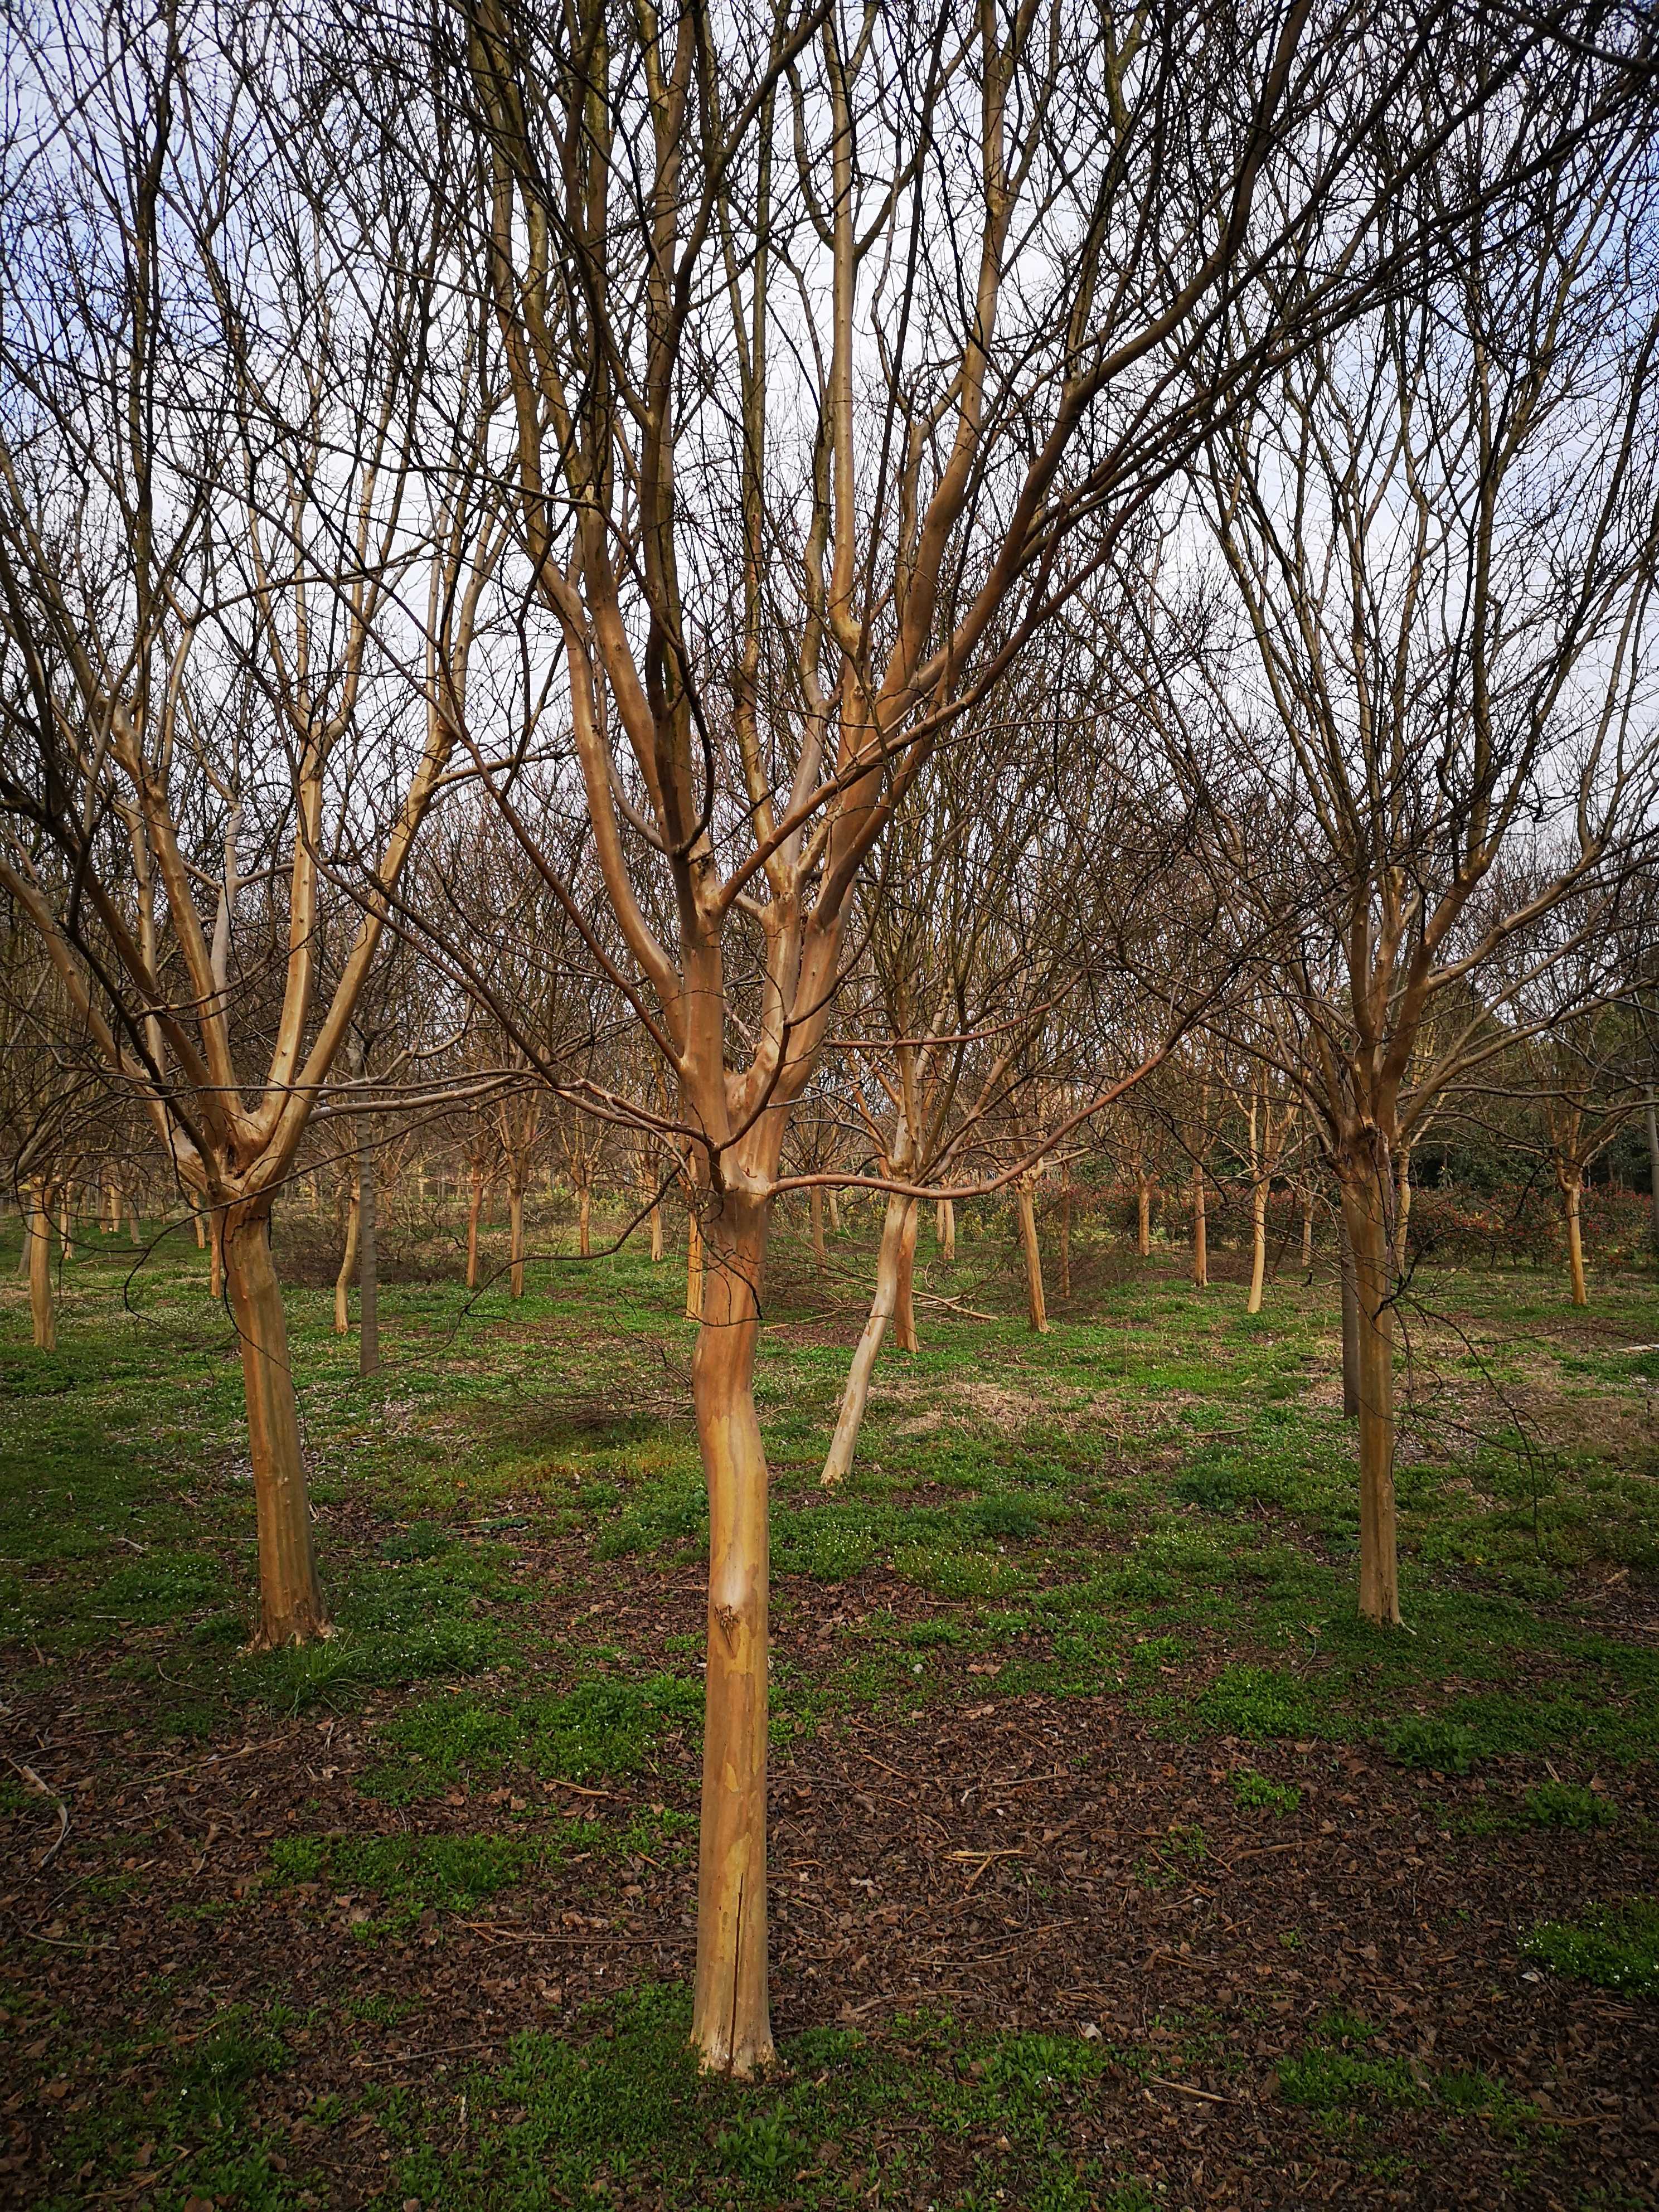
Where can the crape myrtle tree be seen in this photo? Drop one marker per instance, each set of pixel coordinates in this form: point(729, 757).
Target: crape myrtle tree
point(986, 924)
point(838, 346)
point(1441, 531)
point(231, 595)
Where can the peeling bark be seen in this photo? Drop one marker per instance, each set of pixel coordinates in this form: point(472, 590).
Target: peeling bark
point(291, 1608)
point(730, 2021)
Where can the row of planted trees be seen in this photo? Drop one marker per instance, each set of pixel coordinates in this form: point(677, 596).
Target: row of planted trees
point(835, 591)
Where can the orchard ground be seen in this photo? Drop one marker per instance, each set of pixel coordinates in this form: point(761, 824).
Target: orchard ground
point(1114, 1863)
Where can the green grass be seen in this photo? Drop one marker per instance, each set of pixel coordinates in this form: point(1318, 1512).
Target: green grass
point(1155, 1503)
point(624, 2110)
point(1617, 1947)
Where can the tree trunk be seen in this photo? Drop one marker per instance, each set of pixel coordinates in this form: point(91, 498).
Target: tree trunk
point(946, 1229)
point(1201, 1230)
point(1307, 1230)
point(1144, 1218)
point(38, 1234)
point(1066, 1240)
point(1037, 1304)
point(835, 1212)
point(1402, 1212)
point(731, 2021)
point(216, 1253)
point(291, 1608)
point(1653, 1160)
point(1258, 1247)
point(693, 1266)
point(585, 1223)
point(135, 1227)
point(516, 1236)
point(815, 1209)
point(1379, 1564)
point(368, 1268)
point(66, 1224)
point(657, 1247)
point(201, 1231)
point(1350, 1326)
point(348, 1266)
point(1571, 1188)
point(475, 1207)
point(856, 1395)
point(904, 1307)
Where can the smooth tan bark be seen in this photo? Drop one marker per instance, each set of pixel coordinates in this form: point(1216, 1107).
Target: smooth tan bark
point(1350, 1327)
point(834, 1214)
point(1066, 1240)
point(1144, 1218)
point(1402, 1211)
point(1368, 1239)
point(658, 1248)
point(1201, 1230)
point(1037, 1304)
point(730, 2021)
point(201, 1229)
point(474, 1208)
point(855, 1396)
point(1258, 1247)
point(904, 1304)
point(216, 1253)
point(39, 1250)
point(585, 1223)
point(66, 1224)
point(946, 1231)
point(693, 1268)
point(1572, 1190)
point(815, 1208)
point(1307, 1230)
point(515, 1237)
point(291, 1608)
point(348, 1268)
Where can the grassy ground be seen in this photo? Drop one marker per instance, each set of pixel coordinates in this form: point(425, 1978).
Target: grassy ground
point(1115, 1863)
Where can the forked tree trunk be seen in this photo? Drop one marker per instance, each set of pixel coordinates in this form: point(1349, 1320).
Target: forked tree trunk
point(1037, 1304)
point(40, 1252)
point(815, 1210)
point(585, 1223)
point(731, 2018)
point(1066, 1240)
point(475, 1207)
point(516, 1236)
point(1258, 1247)
point(368, 1268)
point(1572, 1190)
point(291, 1608)
point(1143, 1217)
point(1349, 1325)
point(946, 1231)
point(1379, 1564)
point(693, 1266)
point(856, 1395)
point(348, 1267)
point(904, 1306)
point(1201, 1230)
